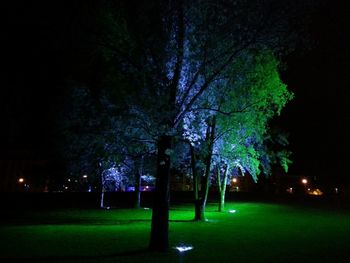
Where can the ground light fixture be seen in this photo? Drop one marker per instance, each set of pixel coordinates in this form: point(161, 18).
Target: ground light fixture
point(232, 211)
point(183, 248)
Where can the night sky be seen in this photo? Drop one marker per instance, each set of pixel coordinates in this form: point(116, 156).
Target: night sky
point(38, 55)
point(319, 117)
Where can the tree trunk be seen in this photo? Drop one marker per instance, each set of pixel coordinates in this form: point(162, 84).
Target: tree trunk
point(102, 204)
point(137, 191)
point(197, 201)
point(222, 198)
point(102, 197)
point(160, 215)
point(222, 189)
point(205, 189)
point(138, 174)
point(218, 174)
point(159, 240)
point(206, 180)
point(201, 200)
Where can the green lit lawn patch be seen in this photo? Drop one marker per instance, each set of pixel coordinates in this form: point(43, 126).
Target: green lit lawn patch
point(254, 233)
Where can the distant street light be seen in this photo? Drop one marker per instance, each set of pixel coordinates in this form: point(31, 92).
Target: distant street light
point(304, 181)
point(21, 180)
point(85, 176)
point(234, 180)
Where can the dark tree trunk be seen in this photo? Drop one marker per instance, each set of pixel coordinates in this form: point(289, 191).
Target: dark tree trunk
point(102, 189)
point(198, 210)
point(137, 190)
point(197, 200)
point(160, 214)
point(201, 200)
point(138, 175)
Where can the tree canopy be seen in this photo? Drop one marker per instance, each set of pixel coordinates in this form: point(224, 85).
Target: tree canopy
point(204, 71)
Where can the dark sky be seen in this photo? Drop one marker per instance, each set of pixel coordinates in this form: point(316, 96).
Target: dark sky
point(35, 58)
point(319, 117)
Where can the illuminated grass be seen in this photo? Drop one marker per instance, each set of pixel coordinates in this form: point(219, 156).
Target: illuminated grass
point(254, 233)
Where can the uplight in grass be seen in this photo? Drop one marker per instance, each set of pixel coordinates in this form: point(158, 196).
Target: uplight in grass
point(232, 211)
point(146, 208)
point(183, 248)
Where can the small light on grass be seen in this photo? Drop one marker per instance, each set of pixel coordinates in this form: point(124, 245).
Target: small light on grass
point(183, 248)
point(232, 211)
point(146, 208)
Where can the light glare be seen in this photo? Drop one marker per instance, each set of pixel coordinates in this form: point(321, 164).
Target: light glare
point(183, 248)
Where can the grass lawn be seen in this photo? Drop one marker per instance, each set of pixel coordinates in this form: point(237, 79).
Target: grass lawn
point(256, 232)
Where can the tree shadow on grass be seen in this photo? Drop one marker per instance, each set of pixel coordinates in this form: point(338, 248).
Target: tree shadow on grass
point(77, 221)
point(82, 222)
point(137, 253)
point(183, 221)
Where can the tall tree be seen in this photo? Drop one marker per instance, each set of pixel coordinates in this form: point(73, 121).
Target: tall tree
point(241, 107)
point(171, 52)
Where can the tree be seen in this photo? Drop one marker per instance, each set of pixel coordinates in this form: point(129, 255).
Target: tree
point(88, 138)
point(237, 120)
point(172, 52)
point(100, 141)
point(244, 117)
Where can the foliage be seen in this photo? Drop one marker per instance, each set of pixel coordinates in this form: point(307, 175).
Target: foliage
point(254, 96)
point(204, 69)
point(99, 142)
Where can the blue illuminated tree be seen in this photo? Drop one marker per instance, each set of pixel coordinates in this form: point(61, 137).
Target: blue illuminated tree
point(170, 53)
point(104, 142)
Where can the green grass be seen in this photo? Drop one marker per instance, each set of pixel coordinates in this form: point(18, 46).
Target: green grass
point(257, 232)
